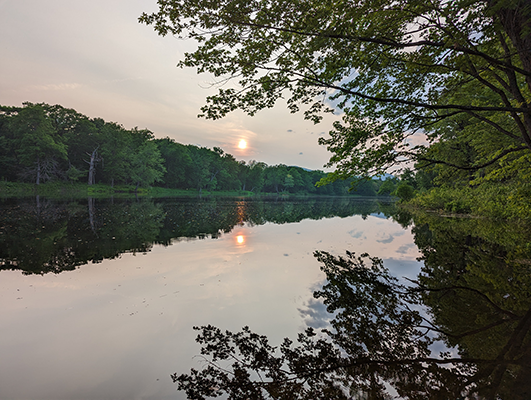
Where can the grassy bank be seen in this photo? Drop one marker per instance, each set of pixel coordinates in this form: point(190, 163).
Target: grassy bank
point(82, 190)
point(497, 201)
point(166, 192)
point(67, 190)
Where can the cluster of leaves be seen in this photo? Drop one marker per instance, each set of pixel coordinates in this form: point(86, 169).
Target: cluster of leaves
point(508, 201)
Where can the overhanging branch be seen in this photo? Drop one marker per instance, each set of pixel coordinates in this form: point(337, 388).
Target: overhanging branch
point(471, 168)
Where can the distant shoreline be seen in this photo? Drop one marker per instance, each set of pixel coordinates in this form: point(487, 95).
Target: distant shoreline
point(79, 190)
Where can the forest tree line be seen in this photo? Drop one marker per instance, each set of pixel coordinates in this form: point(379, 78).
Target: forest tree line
point(41, 143)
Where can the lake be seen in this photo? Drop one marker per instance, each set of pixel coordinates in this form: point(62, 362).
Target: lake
point(98, 297)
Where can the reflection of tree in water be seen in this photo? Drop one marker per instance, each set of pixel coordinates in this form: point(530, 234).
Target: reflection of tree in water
point(45, 236)
point(41, 235)
point(479, 277)
point(473, 296)
point(214, 216)
point(31, 233)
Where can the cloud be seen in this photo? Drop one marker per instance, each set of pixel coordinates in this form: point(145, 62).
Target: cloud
point(315, 315)
point(405, 248)
point(390, 237)
point(356, 235)
point(418, 138)
point(56, 86)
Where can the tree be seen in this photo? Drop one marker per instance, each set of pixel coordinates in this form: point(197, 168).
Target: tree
point(390, 68)
point(243, 171)
point(177, 162)
point(146, 164)
point(405, 191)
point(226, 170)
point(200, 175)
point(465, 150)
point(256, 175)
point(36, 144)
point(364, 188)
point(387, 187)
point(275, 178)
point(116, 152)
point(9, 167)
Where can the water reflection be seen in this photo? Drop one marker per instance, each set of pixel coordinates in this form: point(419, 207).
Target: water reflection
point(41, 236)
point(461, 329)
point(125, 321)
point(118, 327)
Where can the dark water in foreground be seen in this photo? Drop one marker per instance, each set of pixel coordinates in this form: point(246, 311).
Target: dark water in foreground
point(98, 297)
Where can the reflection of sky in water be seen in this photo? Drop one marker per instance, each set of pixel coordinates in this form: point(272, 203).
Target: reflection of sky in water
point(356, 234)
point(117, 329)
point(389, 237)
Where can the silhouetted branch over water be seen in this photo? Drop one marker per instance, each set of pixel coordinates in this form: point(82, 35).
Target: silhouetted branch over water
point(460, 330)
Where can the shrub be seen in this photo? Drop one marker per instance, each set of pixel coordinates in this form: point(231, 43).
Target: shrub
point(405, 192)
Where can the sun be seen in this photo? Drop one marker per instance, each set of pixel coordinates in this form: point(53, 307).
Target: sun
point(242, 144)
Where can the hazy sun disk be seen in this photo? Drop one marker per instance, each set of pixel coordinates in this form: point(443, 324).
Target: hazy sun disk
point(240, 239)
point(242, 144)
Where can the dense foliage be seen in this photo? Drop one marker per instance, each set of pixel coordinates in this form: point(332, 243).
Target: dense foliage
point(445, 85)
point(41, 143)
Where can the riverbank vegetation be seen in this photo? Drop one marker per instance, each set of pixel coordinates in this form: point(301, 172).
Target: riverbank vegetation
point(50, 149)
point(59, 189)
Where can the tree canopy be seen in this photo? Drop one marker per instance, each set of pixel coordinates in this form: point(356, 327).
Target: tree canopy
point(390, 68)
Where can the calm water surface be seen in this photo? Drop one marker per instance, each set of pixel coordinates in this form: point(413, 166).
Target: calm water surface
point(98, 297)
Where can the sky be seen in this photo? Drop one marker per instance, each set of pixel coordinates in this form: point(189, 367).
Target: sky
point(96, 58)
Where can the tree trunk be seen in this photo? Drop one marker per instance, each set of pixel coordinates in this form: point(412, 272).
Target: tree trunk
point(91, 210)
point(38, 202)
point(92, 166)
point(516, 21)
point(38, 181)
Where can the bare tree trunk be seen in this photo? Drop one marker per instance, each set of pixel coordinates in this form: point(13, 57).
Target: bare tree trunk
point(92, 166)
point(38, 171)
point(38, 201)
point(91, 210)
